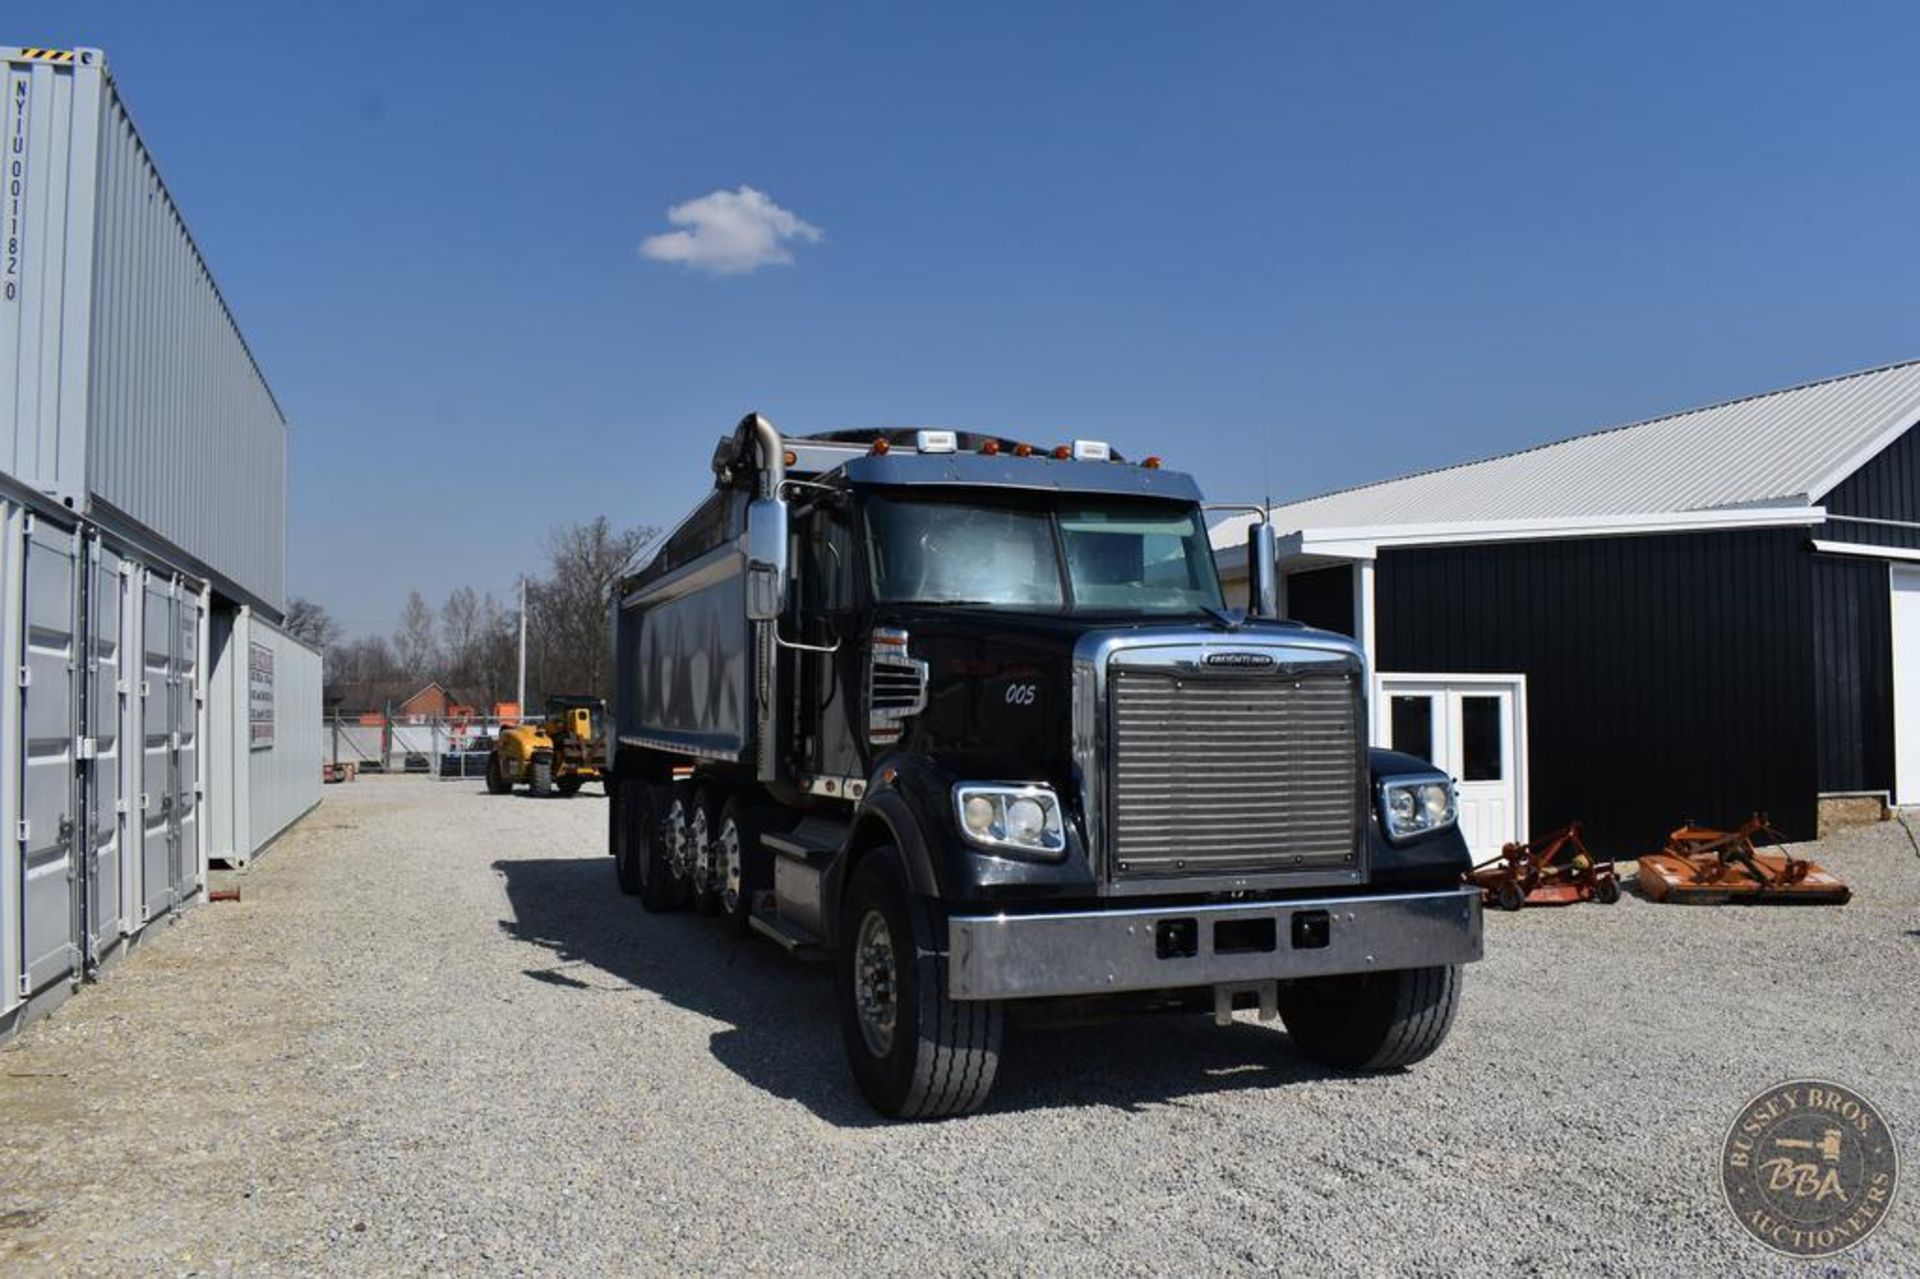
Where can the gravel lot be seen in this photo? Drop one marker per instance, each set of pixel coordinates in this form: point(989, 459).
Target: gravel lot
point(431, 1037)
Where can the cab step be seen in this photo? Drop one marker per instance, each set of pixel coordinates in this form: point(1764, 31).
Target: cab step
point(790, 937)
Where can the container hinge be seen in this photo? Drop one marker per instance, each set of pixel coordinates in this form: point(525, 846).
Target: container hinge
point(87, 748)
point(26, 676)
point(24, 831)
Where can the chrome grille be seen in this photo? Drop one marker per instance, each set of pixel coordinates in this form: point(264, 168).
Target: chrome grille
point(1217, 774)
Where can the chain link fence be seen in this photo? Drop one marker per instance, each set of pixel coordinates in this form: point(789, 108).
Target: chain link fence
point(450, 747)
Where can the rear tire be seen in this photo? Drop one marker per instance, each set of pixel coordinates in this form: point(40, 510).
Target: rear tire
point(540, 777)
point(497, 783)
point(661, 889)
point(569, 786)
point(916, 1053)
point(1372, 1021)
point(703, 824)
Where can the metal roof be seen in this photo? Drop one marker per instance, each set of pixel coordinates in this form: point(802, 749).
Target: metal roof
point(1785, 448)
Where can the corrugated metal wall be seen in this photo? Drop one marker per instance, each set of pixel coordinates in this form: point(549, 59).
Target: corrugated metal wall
point(124, 381)
point(46, 218)
point(284, 781)
point(1853, 673)
point(1322, 597)
point(1886, 488)
point(186, 437)
point(1668, 677)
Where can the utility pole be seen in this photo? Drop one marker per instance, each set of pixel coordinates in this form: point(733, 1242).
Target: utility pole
point(522, 701)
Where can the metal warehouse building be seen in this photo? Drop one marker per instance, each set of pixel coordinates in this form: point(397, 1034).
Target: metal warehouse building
point(1701, 616)
point(155, 717)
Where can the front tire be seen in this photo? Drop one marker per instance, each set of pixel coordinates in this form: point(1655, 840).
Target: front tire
point(916, 1053)
point(540, 776)
point(497, 783)
point(1372, 1021)
point(570, 785)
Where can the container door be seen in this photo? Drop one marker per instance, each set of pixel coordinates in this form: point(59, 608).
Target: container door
point(185, 711)
point(156, 750)
point(106, 711)
point(49, 714)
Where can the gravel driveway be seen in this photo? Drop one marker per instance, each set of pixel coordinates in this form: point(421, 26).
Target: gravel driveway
point(432, 1038)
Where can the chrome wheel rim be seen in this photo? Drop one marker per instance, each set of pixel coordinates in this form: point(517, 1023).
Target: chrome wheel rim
point(674, 834)
point(729, 846)
point(702, 852)
point(876, 988)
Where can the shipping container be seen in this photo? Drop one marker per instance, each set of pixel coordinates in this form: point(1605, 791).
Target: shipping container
point(127, 391)
point(264, 745)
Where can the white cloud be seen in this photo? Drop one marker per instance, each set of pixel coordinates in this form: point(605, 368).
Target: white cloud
point(729, 233)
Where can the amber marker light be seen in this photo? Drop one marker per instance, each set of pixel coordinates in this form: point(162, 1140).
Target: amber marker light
point(990, 449)
point(1062, 453)
point(880, 448)
point(1023, 450)
point(1152, 464)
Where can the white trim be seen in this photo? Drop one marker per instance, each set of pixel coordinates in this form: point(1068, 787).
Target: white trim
point(1866, 551)
point(1364, 541)
point(1363, 608)
point(1818, 490)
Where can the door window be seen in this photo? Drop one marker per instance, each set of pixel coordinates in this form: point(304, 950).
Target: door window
point(1482, 748)
point(1412, 725)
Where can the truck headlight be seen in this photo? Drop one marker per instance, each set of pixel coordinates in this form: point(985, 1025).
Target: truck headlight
point(1025, 818)
point(1412, 806)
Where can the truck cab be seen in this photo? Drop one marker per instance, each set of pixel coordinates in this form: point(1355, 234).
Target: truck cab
point(970, 719)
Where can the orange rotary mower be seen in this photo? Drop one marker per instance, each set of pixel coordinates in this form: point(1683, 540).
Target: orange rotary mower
point(1705, 867)
point(1553, 870)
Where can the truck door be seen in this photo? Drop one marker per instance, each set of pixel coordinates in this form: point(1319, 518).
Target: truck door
point(825, 614)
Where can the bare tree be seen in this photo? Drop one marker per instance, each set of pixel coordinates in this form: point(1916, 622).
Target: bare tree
point(459, 632)
point(368, 660)
point(308, 621)
point(413, 641)
point(568, 611)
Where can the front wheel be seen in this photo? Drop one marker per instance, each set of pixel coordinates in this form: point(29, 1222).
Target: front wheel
point(916, 1052)
point(540, 776)
point(497, 783)
point(1371, 1021)
point(570, 785)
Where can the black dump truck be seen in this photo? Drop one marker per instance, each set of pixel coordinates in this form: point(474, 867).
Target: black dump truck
point(972, 720)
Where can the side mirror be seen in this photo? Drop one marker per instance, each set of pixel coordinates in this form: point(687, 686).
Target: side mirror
point(1263, 586)
point(766, 559)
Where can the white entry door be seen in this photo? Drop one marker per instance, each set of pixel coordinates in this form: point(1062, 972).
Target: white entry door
point(1472, 727)
point(1906, 685)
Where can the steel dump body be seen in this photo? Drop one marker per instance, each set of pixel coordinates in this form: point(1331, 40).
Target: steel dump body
point(683, 647)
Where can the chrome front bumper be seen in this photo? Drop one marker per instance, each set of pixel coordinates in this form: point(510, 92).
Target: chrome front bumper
point(1168, 947)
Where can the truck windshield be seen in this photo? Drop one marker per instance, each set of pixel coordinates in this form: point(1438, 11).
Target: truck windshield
point(1089, 555)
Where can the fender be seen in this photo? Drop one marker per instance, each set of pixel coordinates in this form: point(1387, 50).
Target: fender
point(1437, 859)
point(887, 810)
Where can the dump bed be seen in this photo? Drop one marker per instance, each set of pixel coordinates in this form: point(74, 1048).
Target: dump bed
point(683, 647)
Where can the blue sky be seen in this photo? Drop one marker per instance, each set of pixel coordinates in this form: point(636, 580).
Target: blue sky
point(1288, 247)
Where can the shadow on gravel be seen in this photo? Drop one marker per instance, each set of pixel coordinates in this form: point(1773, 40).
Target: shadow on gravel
point(783, 1035)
